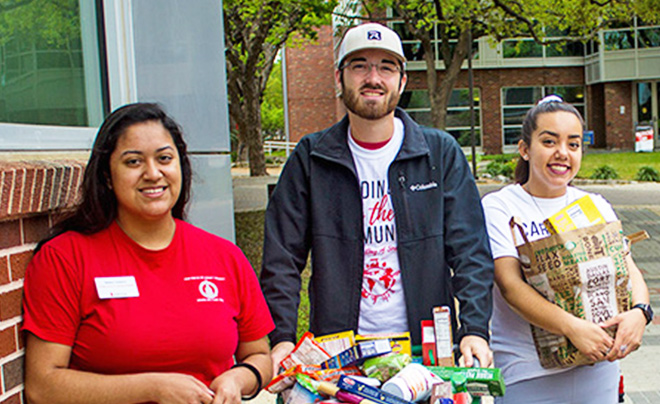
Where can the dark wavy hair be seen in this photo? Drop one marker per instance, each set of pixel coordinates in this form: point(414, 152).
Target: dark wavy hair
point(98, 208)
point(530, 125)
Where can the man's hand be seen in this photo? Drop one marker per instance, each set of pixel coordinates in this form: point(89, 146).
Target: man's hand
point(279, 352)
point(471, 346)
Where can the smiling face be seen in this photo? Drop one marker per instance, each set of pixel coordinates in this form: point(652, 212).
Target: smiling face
point(554, 153)
point(145, 173)
point(370, 96)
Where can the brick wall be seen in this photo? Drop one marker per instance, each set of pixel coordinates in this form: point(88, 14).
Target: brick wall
point(311, 86)
point(618, 125)
point(30, 194)
point(596, 113)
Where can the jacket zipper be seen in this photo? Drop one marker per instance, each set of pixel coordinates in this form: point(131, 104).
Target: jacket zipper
point(402, 183)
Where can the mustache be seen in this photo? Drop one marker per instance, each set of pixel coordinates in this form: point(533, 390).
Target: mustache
point(370, 86)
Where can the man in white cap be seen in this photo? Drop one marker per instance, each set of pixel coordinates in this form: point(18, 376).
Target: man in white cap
point(389, 210)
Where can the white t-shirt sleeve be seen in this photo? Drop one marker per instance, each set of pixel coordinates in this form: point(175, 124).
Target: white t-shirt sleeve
point(497, 224)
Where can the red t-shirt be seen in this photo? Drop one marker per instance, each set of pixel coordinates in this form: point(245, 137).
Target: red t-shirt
point(197, 299)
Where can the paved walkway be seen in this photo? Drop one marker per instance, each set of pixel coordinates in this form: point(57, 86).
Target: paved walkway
point(641, 369)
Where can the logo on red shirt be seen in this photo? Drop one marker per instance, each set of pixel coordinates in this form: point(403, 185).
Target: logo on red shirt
point(208, 289)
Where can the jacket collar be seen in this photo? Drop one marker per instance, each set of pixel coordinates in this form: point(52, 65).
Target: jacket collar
point(333, 142)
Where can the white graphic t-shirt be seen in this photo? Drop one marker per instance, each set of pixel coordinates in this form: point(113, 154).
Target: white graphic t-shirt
point(511, 341)
point(382, 307)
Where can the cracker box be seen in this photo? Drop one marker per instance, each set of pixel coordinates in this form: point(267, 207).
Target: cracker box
point(581, 213)
point(358, 353)
point(444, 344)
point(400, 342)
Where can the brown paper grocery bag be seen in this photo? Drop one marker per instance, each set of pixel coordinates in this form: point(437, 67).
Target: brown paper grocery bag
point(584, 272)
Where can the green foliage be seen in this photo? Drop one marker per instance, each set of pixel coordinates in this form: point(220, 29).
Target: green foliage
point(604, 172)
point(272, 106)
point(55, 22)
point(497, 168)
point(647, 173)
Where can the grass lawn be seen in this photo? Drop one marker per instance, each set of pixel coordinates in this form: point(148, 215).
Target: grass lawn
point(250, 239)
point(626, 164)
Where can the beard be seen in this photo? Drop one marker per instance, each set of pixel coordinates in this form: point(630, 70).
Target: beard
point(370, 110)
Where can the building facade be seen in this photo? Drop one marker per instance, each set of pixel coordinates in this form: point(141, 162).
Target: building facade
point(64, 66)
point(612, 81)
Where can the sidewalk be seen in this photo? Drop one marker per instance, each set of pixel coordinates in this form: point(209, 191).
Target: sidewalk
point(641, 369)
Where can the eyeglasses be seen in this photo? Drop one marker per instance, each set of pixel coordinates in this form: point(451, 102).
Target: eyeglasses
point(362, 68)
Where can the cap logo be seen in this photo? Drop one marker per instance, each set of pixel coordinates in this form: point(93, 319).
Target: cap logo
point(373, 35)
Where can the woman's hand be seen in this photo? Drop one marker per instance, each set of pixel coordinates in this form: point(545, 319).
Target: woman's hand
point(631, 325)
point(589, 338)
point(239, 381)
point(227, 386)
point(177, 388)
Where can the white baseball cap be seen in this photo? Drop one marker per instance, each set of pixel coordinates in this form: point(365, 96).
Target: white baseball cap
point(370, 36)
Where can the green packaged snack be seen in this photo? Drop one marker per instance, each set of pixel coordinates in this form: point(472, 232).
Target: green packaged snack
point(386, 366)
point(479, 381)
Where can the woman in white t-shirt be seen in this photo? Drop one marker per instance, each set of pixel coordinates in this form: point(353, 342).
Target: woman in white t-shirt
point(550, 155)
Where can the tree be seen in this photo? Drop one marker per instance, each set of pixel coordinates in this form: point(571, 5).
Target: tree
point(272, 107)
point(578, 20)
point(255, 31)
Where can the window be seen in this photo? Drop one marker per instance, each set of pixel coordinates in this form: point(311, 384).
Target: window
point(418, 106)
point(648, 37)
point(516, 101)
point(50, 72)
point(521, 48)
point(618, 40)
point(413, 50)
point(528, 48)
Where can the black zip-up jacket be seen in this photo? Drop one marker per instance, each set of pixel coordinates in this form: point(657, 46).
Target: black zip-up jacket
point(442, 242)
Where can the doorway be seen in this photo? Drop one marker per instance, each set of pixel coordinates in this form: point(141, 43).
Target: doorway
point(648, 105)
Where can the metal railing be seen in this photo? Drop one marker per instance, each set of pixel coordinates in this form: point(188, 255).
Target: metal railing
point(271, 145)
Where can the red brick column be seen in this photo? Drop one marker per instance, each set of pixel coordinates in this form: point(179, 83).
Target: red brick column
point(618, 122)
point(30, 194)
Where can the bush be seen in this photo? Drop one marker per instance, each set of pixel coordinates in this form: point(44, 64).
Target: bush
point(604, 172)
point(647, 173)
point(496, 168)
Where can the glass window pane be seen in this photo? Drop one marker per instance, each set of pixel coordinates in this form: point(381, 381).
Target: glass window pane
point(523, 48)
point(461, 97)
point(564, 49)
point(618, 40)
point(43, 77)
point(463, 137)
point(400, 28)
point(571, 94)
point(511, 135)
point(413, 51)
point(421, 117)
point(521, 95)
point(461, 117)
point(513, 116)
point(648, 38)
point(644, 97)
point(414, 99)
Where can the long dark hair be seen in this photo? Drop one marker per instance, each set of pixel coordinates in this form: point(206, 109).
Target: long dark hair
point(549, 104)
point(98, 207)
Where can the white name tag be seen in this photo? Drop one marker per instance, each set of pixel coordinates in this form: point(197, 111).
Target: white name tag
point(116, 287)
